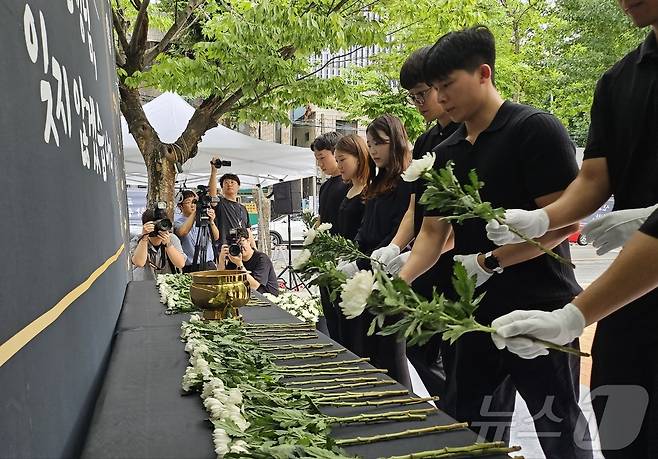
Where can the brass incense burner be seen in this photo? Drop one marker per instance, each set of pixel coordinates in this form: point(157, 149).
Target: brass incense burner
point(220, 293)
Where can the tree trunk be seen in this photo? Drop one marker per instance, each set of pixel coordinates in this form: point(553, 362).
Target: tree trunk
point(263, 207)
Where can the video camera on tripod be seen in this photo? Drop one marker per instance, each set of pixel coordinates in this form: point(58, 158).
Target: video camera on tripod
point(203, 203)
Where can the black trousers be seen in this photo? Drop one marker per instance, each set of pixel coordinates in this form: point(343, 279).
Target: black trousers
point(481, 390)
point(210, 265)
point(427, 359)
point(331, 323)
point(625, 380)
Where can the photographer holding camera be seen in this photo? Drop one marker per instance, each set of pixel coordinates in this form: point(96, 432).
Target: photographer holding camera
point(239, 254)
point(229, 212)
point(157, 250)
point(188, 231)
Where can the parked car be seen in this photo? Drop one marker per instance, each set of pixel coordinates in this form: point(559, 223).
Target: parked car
point(279, 230)
point(578, 237)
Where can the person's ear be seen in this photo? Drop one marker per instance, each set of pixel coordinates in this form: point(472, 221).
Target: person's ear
point(485, 73)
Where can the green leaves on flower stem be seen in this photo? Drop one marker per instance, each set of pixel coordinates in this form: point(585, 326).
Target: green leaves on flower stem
point(457, 202)
point(417, 319)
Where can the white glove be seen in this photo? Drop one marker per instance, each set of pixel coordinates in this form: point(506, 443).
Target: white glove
point(473, 268)
point(614, 229)
point(561, 327)
point(385, 254)
point(349, 268)
point(531, 223)
point(395, 265)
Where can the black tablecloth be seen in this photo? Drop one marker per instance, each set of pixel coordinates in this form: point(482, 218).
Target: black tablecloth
point(141, 412)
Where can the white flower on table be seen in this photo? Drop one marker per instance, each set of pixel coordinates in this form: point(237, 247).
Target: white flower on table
point(310, 236)
point(302, 259)
point(418, 167)
point(356, 292)
point(221, 440)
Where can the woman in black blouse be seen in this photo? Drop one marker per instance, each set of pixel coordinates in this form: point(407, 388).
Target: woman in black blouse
point(356, 169)
point(386, 200)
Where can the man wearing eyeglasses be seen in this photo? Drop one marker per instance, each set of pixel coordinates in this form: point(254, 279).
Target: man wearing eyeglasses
point(188, 232)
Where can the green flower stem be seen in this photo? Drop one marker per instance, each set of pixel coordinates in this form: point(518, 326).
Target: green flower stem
point(283, 326)
point(556, 347)
point(283, 347)
point(476, 450)
point(353, 395)
point(309, 355)
point(333, 380)
point(403, 434)
point(265, 334)
point(327, 364)
point(335, 371)
point(366, 418)
point(547, 251)
point(398, 401)
point(353, 385)
point(284, 338)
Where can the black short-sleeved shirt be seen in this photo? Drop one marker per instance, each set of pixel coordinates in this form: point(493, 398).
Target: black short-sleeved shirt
point(331, 195)
point(650, 227)
point(229, 215)
point(624, 126)
point(424, 144)
point(524, 154)
point(350, 215)
point(261, 269)
point(382, 217)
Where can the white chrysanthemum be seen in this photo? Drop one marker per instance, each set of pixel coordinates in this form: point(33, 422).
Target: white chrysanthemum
point(212, 385)
point(190, 379)
point(221, 440)
point(418, 167)
point(301, 260)
point(324, 227)
point(195, 318)
point(240, 446)
point(310, 236)
point(356, 292)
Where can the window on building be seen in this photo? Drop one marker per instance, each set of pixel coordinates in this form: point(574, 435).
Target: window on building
point(344, 127)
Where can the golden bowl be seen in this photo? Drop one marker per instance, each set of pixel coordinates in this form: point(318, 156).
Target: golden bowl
point(220, 293)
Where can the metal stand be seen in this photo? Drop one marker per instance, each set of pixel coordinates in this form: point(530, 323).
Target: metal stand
point(292, 274)
point(201, 244)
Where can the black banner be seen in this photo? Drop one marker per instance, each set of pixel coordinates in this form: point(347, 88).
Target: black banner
point(63, 249)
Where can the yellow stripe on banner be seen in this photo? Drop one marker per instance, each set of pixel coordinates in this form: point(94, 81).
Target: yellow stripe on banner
point(20, 339)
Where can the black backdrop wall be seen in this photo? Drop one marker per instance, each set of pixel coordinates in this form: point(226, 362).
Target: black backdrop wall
point(63, 262)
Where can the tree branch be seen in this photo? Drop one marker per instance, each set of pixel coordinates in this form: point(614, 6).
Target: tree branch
point(121, 33)
point(139, 36)
point(173, 33)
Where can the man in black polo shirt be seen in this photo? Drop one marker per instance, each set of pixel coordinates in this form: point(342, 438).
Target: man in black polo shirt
point(621, 159)
point(425, 359)
point(526, 159)
point(332, 192)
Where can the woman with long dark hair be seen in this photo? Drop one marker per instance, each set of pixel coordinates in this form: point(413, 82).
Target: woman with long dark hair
point(386, 200)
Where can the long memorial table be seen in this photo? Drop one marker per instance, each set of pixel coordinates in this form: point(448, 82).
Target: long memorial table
point(141, 411)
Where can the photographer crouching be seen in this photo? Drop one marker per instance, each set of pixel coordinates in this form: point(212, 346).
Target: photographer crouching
point(239, 254)
point(197, 230)
point(157, 250)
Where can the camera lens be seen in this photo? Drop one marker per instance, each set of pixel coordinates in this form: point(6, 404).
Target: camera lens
point(234, 250)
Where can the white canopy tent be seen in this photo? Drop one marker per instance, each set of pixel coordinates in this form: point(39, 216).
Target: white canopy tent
point(254, 161)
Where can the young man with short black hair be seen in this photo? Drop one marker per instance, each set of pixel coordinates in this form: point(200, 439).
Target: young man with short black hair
point(230, 214)
point(526, 159)
point(260, 271)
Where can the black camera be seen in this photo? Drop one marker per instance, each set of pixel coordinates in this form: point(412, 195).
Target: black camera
point(233, 240)
point(203, 203)
point(161, 222)
point(218, 163)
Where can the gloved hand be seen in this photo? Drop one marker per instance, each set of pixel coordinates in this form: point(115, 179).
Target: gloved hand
point(531, 223)
point(473, 268)
point(349, 268)
point(614, 229)
point(395, 265)
point(385, 254)
point(561, 327)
